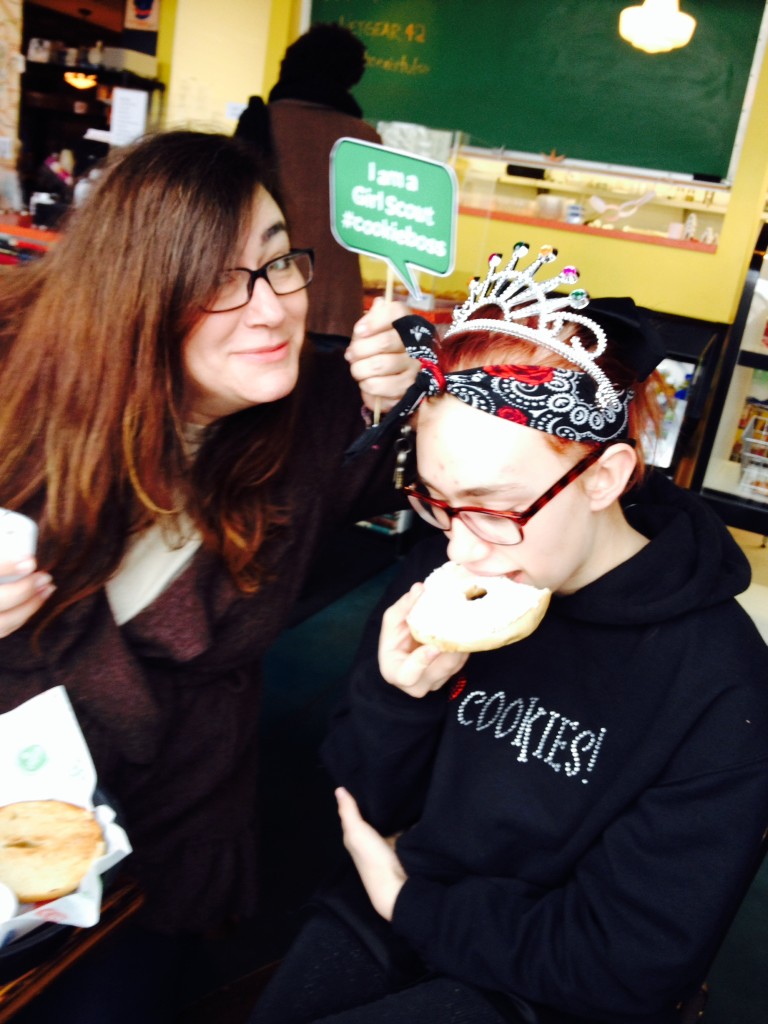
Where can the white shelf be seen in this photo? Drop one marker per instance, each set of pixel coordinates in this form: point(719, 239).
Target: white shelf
point(723, 475)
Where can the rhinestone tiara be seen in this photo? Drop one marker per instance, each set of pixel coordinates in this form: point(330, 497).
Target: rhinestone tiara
point(519, 297)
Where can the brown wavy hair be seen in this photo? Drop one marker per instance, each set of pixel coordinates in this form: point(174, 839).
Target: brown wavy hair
point(91, 370)
point(485, 348)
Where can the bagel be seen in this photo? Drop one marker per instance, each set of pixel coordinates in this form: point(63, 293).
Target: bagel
point(461, 612)
point(46, 848)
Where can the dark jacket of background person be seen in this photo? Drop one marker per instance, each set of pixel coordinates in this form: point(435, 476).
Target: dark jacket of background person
point(169, 702)
point(581, 811)
point(309, 109)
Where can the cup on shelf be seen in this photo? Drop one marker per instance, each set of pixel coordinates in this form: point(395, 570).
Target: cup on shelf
point(549, 207)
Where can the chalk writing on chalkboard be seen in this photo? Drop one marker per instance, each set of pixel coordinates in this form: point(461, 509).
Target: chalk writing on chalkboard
point(532, 77)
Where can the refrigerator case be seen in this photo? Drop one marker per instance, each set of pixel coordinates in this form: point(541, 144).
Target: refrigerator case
point(676, 378)
point(732, 470)
point(684, 386)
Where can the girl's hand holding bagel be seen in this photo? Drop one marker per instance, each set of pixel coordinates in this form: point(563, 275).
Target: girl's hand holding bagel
point(415, 668)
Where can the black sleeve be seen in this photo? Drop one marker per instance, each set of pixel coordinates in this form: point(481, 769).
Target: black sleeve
point(331, 419)
point(381, 741)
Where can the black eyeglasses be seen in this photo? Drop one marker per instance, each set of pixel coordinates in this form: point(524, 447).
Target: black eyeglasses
point(490, 526)
point(285, 274)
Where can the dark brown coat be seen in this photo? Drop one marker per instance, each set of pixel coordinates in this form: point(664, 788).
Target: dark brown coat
point(169, 702)
point(303, 135)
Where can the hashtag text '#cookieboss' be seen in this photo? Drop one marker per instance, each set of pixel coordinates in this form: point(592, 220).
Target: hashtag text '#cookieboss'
point(391, 231)
point(548, 736)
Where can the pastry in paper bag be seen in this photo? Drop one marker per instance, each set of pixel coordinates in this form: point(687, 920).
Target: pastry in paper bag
point(45, 766)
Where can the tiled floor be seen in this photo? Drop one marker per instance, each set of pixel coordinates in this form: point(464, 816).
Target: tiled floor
point(755, 600)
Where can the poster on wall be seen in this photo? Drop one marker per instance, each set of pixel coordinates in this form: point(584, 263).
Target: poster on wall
point(142, 15)
point(129, 115)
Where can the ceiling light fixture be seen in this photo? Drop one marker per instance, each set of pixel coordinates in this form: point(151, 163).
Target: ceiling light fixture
point(657, 26)
point(78, 80)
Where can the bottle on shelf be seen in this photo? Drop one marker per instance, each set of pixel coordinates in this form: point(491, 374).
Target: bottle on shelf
point(96, 54)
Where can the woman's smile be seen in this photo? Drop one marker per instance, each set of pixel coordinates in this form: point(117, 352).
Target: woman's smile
point(267, 354)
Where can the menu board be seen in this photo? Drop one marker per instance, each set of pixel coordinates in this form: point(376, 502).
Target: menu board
point(557, 78)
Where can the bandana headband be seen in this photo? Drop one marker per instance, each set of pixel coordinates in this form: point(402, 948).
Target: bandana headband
point(558, 401)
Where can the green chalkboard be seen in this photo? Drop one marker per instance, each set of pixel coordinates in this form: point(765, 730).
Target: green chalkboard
point(554, 75)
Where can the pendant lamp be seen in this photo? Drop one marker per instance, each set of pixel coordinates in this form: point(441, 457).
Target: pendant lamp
point(656, 26)
point(78, 80)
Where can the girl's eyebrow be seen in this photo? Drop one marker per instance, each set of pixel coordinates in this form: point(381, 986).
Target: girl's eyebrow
point(501, 491)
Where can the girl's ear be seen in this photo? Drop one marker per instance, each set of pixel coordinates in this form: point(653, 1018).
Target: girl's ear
point(606, 481)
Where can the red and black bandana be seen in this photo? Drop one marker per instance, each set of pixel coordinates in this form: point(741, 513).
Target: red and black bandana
point(558, 401)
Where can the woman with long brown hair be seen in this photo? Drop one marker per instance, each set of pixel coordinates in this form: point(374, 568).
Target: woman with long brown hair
point(180, 448)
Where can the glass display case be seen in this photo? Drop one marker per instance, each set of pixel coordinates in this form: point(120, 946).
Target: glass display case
point(732, 468)
point(676, 209)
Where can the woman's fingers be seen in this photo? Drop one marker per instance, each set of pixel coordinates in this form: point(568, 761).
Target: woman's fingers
point(377, 357)
point(20, 600)
point(379, 319)
point(12, 571)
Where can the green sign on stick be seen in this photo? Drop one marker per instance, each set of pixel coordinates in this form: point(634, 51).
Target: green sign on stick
point(397, 207)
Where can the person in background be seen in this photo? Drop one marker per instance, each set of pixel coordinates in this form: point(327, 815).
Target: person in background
point(56, 175)
point(559, 830)
point(309, 109)
point(180, 448)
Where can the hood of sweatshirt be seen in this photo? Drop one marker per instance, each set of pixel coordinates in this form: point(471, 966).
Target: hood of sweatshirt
point(692, 562)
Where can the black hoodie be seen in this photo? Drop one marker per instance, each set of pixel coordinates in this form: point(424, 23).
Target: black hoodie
point(582, 810)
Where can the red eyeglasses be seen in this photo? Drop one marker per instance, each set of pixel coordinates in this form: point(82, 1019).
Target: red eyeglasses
point(490, 526)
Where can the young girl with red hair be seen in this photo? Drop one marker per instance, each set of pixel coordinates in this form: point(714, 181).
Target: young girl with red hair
point(559, 830)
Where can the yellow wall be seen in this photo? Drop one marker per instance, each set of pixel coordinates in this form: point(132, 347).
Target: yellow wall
point(216, 57)
point(211, 55)
point(165, 34)
point(285, 26)
point(222, 53)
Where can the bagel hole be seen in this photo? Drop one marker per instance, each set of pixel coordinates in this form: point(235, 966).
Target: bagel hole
point(475, 593)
